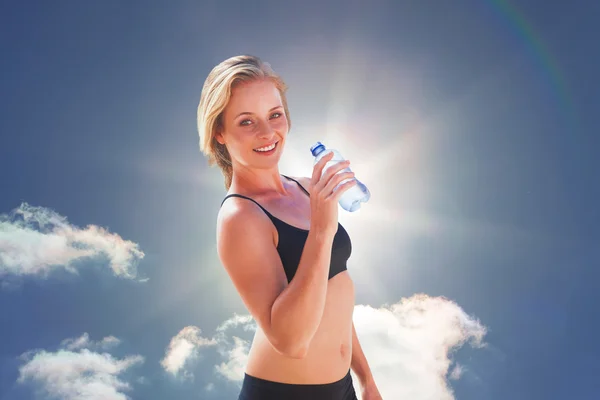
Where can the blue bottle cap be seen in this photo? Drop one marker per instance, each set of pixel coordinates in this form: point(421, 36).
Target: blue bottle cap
point(317, 148)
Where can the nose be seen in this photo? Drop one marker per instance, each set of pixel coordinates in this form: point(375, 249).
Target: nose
point(265, 131)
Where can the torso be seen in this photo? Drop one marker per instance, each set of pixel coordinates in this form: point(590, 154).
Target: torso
point(330, 351)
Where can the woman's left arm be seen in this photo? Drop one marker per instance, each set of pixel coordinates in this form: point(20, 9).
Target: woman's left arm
point(361, 368)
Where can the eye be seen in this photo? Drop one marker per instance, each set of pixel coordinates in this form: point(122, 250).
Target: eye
point(276, 115)
point(245, 122)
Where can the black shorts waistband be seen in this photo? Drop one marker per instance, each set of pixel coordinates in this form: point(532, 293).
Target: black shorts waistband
point(257, 388)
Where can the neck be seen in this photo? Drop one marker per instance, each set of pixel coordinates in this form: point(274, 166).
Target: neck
point(257, 182)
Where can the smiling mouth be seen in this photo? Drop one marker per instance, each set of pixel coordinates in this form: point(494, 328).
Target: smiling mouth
point(267, 149)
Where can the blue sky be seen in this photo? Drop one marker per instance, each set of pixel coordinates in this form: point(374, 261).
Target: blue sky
point(473, 129)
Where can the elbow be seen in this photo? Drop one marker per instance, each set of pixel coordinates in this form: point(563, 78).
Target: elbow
point(295, 349)
point(297, 352)
point(289, 341)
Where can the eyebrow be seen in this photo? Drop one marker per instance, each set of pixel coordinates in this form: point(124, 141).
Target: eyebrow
point(249, 113)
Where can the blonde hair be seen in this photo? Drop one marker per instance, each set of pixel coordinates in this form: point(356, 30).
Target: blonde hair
point(215, 96)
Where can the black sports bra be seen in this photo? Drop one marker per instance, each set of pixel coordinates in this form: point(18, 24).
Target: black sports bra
point(292, 239)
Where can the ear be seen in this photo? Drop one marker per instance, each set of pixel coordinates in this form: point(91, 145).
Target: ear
point(219, 137)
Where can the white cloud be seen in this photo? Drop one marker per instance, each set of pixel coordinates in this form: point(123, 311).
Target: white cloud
point(34, 241)
point(236, 360)
point(210, 387)
point(183, 349)
point(244, 321)
point(409, 345)
point(84, 342)
point(232, 348)
point(74, 372)
point(457, 372)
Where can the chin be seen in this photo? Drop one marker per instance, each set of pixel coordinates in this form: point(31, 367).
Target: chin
point(270, 163)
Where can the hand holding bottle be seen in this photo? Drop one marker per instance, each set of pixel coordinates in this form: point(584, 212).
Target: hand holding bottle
point(323, 198)
point(351, 199)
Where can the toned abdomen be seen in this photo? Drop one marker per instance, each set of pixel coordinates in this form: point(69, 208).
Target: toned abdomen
point(330, 351)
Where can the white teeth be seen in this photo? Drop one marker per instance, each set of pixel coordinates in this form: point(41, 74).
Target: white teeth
point(271, 147)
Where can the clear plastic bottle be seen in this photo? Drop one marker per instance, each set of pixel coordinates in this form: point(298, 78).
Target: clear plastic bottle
point(351, 200)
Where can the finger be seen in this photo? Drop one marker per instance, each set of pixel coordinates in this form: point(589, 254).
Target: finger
point(334, 169)
point(342, 189)
point(318, 168)
point(330, 172)
point(336, 180)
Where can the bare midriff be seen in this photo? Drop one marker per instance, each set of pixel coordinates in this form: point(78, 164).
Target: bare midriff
point(330, 351)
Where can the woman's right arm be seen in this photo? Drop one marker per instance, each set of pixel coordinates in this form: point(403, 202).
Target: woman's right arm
point(288, 314)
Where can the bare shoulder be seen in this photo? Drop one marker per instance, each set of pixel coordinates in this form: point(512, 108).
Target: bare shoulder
point(247, 251)
point(236, 211)
point(241, 223)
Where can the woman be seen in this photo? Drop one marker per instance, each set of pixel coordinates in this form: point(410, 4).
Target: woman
point(280, 242)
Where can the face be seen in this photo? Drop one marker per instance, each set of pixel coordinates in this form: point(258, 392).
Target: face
point(254, 125)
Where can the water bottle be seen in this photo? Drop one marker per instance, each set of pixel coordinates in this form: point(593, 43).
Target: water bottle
point(351, 200)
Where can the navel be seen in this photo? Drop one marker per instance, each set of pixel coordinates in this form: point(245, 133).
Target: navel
point(345, 350)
